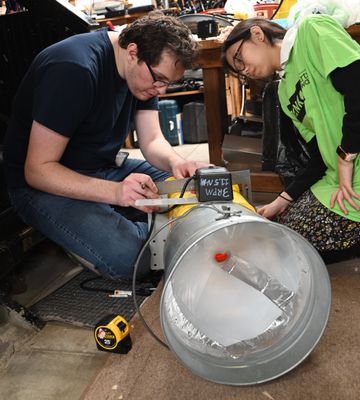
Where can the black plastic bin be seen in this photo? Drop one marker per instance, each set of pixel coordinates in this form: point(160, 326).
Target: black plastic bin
point(194, 123)
point(168, 110)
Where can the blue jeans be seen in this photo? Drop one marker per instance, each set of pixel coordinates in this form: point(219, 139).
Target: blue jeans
point(97, 232)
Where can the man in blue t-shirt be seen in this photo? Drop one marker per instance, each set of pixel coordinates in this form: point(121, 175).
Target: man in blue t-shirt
point(71, 116)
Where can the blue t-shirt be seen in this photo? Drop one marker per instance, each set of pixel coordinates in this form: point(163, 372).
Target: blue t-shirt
point(73, 87)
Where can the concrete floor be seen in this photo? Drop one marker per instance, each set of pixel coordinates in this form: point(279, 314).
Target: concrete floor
point(58, 361)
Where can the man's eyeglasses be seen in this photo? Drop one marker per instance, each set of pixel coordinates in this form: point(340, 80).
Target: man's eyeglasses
point(239, 64)
point(156, 81)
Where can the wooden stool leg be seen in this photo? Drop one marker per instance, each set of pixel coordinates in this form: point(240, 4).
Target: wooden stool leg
point(129, 141)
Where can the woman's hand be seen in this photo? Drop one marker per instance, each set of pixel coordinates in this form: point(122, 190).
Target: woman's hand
point(276, 207)
point(345, 191)
point(136, 186)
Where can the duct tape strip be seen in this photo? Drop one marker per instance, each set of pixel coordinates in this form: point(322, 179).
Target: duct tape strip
point(260, 280)
point(193, 337)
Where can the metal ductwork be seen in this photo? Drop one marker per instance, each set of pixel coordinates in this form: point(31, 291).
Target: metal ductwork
point(245, 299)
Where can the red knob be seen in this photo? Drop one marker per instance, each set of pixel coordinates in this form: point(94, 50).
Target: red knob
point(221, 257)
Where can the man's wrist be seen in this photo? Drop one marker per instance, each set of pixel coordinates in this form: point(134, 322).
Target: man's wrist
point(175, 160)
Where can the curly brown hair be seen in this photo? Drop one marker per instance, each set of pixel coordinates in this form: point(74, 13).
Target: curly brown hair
point(157, 32)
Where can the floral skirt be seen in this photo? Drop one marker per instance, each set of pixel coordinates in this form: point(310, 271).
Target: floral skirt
point(324, 229)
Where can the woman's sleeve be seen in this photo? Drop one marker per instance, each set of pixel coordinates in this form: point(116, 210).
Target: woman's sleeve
point(313, 171)
point(346, 80)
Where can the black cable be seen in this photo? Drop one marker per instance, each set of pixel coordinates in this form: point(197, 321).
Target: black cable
point(186, 185)
point(141, 291)
point(141, 252)
point(277, 9)
point(90, 289)
point(137, 308)
point(181, 195)
point(144, 290)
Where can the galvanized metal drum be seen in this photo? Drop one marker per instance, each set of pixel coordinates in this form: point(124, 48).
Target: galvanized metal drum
point(245, 299)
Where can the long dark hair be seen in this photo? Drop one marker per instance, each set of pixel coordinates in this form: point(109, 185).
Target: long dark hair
point(241, 31)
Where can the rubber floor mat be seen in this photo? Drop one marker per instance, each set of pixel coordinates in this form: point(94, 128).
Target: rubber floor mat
point(74, 304)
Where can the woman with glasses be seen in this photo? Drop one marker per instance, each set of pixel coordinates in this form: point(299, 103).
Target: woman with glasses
point(72, 113)
point(319, 66)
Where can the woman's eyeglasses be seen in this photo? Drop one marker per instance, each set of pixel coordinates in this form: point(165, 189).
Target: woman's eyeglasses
point(156, 81)
point(239, 64)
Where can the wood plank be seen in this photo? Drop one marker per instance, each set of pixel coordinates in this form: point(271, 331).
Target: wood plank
point(354, 31)
point(269, 182)
point(216, 112)
point(120, 19)
point(185, 93)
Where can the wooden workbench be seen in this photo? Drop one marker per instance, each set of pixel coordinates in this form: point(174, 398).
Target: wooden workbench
point(209, 60)
point(120, 20)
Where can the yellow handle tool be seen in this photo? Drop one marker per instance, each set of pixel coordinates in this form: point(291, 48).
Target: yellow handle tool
point(112, 333)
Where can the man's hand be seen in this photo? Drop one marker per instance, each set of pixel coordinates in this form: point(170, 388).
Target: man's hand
point(186, 168)
point(134, 187)
point(275, 208)
point(345, 191)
